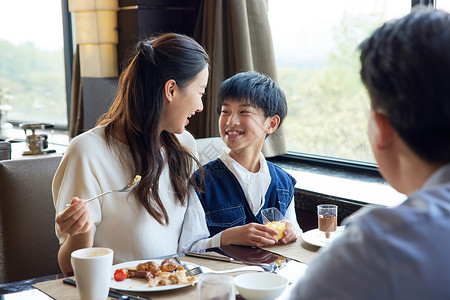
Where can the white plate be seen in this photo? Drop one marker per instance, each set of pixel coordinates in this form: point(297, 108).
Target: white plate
point(316, 237)
point(141, 284)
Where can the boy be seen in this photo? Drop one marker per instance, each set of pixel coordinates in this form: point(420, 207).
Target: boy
point(240, 183)
point(401, 252)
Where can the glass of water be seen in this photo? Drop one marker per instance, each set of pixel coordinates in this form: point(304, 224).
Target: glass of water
point(215, 287)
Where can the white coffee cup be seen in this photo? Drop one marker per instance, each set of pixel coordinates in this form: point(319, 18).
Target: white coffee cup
point(92, 268)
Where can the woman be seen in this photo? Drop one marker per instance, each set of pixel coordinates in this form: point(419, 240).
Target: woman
point(142, 134)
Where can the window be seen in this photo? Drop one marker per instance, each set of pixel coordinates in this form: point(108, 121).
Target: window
point(317, 56)
point(32, 73)
point(443, 4)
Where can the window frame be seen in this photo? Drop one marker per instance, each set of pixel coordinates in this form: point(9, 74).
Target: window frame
point(331, 162)
point(68, 54)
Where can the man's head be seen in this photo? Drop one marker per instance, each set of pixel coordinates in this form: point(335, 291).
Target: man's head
point(406, 69)
point(250, 105)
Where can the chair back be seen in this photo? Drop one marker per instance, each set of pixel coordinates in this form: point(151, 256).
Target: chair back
point(5, 150)
point(28, 244)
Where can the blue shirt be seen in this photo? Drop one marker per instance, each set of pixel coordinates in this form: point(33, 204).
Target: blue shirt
point(224, 201)
point(389, 253)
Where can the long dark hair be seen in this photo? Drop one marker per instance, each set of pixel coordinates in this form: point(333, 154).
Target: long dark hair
point(138, 108)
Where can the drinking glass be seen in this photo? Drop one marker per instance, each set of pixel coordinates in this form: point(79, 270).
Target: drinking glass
point(273, 218)
point(215, 287)
point(327, 219)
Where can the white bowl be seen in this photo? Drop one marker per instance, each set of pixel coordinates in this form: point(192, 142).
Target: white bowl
point(260, 286)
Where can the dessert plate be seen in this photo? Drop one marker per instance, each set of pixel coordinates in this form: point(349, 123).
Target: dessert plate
point(141, 285)
point(317, 238)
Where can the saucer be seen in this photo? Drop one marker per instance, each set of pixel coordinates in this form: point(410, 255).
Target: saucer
point(317, 238)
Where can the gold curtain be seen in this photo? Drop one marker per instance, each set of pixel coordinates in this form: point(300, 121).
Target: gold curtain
point(76, 98)
point(237, 37)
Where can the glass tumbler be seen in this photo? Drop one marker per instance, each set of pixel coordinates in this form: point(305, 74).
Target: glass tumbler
point(215, 287)
point(327, 219)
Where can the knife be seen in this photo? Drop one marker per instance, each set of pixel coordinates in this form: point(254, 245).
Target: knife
point(130, 296)
point(112, 293)
point(214, 257)
point(266, 267)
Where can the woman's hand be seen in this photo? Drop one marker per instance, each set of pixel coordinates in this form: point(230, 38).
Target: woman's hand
point(76, 219)
point(290, 234)
point(252, 234)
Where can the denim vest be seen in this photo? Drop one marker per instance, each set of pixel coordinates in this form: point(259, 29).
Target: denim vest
point(224, 200)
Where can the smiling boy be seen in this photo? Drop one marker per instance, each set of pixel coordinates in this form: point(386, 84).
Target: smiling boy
point(240, 183)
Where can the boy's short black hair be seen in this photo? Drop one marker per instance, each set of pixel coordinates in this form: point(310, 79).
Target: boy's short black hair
point(256, 89)
point(405, 66)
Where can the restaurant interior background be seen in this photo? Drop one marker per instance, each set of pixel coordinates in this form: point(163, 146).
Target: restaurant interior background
point(59, 64)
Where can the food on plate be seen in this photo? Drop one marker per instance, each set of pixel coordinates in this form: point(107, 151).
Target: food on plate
point(167, 273)
point(169, 265)
point(121, 274)
point(143, 268)
point(279, 226)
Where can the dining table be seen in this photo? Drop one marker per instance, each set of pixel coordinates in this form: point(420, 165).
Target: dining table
point(52, 287)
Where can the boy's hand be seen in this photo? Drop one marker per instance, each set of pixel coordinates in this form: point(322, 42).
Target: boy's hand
point(290, 234)
point(252, 234)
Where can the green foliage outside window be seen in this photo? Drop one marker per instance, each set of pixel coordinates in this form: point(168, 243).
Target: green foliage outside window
point(329, 106)
point(35, 79)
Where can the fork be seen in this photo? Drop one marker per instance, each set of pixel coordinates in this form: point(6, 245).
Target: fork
point(129, 187)
point(199, 270)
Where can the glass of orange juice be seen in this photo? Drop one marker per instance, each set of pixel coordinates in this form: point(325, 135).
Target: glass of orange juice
point(273, 218)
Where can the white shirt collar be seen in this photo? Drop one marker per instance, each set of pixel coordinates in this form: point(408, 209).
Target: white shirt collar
point(439, 177)
point(254, 185)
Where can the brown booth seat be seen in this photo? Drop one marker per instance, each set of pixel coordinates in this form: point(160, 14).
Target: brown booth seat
point(5, 150)
point(28, 244)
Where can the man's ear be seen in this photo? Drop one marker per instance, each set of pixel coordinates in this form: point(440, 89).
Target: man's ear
point(274, 121)
point(169, 89)
point(385, 132)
